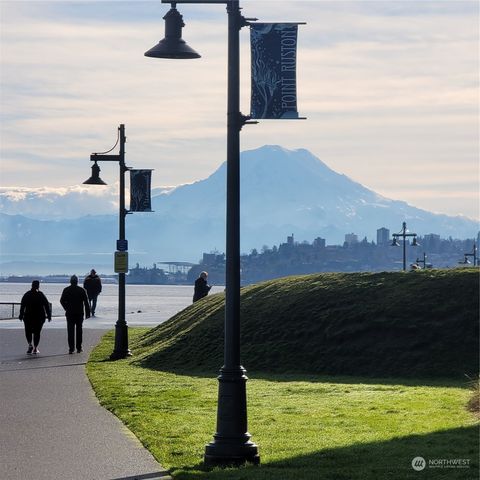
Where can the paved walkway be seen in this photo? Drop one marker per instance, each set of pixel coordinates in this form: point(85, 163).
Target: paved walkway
point(51, 424)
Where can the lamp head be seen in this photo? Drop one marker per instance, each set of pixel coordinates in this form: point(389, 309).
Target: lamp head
point(172, 46)
point(95, 178)
point(395, 242)
point(415, 243)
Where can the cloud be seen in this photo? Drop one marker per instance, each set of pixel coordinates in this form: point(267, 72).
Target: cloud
point(386, 86)
point(75, 201)
point(68, 202)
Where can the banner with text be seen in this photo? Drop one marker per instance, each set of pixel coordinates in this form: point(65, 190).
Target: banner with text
point(274, 70)
point(140, 185)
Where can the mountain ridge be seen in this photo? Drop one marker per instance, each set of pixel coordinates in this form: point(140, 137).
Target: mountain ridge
point(282, 192)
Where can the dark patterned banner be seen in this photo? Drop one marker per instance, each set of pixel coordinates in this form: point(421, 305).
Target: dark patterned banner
point(274, 70)
point(140, 198)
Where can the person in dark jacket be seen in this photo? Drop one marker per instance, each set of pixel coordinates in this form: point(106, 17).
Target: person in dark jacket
point(33, 311)
point(201, 287)
point(74, 300)
point(93, 285)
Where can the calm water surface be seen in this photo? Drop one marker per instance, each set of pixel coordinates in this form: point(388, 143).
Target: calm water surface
point(145, 304)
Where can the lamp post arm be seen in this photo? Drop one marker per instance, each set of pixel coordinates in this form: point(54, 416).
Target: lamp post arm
point(98, 157)
point(245, 120)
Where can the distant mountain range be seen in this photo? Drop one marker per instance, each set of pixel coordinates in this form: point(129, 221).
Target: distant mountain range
point(282, 192)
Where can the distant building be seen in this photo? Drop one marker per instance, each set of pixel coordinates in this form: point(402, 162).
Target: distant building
point(319, 242)
point(383, 236)
point(213, 258)
point(432, 242)
point(147, 276)
point(351, 238)
point(287, 248)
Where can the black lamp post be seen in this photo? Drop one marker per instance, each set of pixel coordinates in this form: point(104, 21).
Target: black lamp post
point(121, 349)
point(473, 254)
point(423, 262)
point(404, 234)
point(231, 443)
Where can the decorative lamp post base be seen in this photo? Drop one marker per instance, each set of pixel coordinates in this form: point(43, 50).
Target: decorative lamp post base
point(215, 459)
point(121, 343)
point(231, 444)
point(119, 355)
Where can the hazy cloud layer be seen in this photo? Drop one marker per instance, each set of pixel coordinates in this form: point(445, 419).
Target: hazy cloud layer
point(71, 202)
point(390, 90)
point(48, 203)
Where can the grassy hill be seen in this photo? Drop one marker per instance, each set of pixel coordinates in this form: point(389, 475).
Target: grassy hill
point(415, 324)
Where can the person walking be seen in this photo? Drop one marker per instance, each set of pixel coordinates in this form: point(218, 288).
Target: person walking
point(93, 285)
point(74, 301)
point(34, 309)
point(201, 288)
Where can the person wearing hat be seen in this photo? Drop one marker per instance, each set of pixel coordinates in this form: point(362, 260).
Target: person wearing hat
point(34, 309)
point(93, 285)
point(74, 301)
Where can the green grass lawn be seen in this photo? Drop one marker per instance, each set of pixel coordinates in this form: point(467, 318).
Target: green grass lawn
point(307, 426)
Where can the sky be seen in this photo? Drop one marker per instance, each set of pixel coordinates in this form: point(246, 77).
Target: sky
point(390, 91)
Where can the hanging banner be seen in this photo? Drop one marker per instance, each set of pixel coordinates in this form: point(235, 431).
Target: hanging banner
point(140, 183)
point(274, 70)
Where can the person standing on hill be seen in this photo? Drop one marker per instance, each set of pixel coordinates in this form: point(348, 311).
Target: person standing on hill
point(201, 287)
point(93, 285)
point(34, 309)
point(74, 300)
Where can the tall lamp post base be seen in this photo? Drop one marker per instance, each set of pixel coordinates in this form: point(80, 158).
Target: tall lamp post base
point(119, 355)
point(121, 349)
point(231, 444)
point(216, 459)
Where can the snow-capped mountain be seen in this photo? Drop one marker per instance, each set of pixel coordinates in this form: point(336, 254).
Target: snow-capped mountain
point(282, 192)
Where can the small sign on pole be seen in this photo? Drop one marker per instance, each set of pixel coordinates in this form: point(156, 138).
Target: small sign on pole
point(122, 245)
point(121, 262)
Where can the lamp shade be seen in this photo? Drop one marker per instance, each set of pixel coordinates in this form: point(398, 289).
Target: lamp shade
point(415, 243)
point(172, 46)
point(95, 178)
point(395, 242)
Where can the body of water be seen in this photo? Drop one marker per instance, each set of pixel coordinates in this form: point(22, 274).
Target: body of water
point(145, 304)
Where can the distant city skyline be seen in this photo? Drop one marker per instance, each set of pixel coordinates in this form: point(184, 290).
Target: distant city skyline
point(390, 90)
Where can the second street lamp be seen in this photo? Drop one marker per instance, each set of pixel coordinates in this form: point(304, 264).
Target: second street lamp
point(121, 349)
point(404, 234)
point(466, 261)
point(423, 262)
